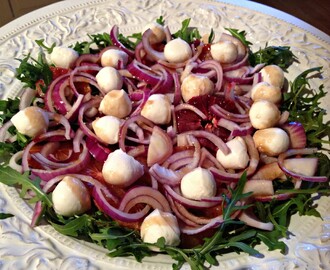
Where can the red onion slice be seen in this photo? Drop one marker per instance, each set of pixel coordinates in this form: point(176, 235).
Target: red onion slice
point(292, 152)
point(113, 212)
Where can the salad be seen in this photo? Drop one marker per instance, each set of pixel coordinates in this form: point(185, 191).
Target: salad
point(160, 142)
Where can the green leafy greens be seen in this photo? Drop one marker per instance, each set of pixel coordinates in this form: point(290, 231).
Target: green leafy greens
point(303, 103)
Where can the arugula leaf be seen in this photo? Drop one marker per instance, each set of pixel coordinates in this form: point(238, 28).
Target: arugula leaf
point(240, 35)
point(303, 103)
point(41, 44)
point(5, 215)
point(188, 34)
point(11, 177)
point(8, 108)
point(31, 70)
point(281, 56)
point(73, 227)
point(160, 20)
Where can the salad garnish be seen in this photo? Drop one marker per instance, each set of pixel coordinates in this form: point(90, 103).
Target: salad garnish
point(154, 143)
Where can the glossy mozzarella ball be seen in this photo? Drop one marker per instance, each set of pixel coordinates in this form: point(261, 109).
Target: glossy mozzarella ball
point(264, 90)
point(114, 58)
point(107, 128)
point(158, 32)
point(71, 197)
point(273, 74)
point(238, 157)
point(160, 224)
point(157, 109)
point(264, 114)
point(177, 51)
point(196, 85)
point(271, 141)
point(224, 51)
point(116, 103)
point(31, 121)
point(198, 184)
point(63, 57)
point(108, 78)
point(121, 169)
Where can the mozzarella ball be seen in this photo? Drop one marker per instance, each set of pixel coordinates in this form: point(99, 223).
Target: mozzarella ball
point(160, 224)
point(63, 57)
point(158, 32)
point(196, 85)
point(108, 78)
point(116, 103)
point(157, 109)
point(264, 90)
point(224, 51)
point(273, 74)
point(271, 141)
point(264, 114)
point(113, 58)
point(121, 169)
point(31, 121)
point(107, 128)
point(71, 197)
point(177, 51)
point(198, 184)
point(238, 157)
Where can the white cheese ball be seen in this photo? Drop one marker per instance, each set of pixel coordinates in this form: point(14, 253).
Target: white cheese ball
point(273, 74)
point(113, 57)
point(177, 51)
point(63, 57)
point(157, 109)
point(31, 121)
point(264, 114)
point(107, 128)
point(121, 169)
point(264, 90)
point(198, 184)
point(238, 158)
point(116, 103)
point(271, 141)
point(158, 32)
point(224, 51)
point(160, 224)
point(108, 78)
point(196, 85)
point(71, 197)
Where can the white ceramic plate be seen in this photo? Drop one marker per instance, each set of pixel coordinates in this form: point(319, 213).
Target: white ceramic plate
point(69, 21)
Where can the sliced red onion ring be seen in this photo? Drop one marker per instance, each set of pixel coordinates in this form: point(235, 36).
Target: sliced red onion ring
point(250, 219)
point(113, 212)
point(292, 152)
point(217, 141)
point(187, 202)
point(152, 53)
point(26, 98)
point(74, 167)
point(144, 194)
point(114, 38)
point(221, 112)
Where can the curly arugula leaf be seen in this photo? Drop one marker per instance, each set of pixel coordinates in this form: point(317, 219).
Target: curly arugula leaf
point(5, 215)
point(8, 108)
point(73, 227)
point(41, 44)
point(31, 70)
point(188, 34)
point(160, 20)
point(281, 56)
point(303, 103)
point(11, 177)
point(240, 35)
